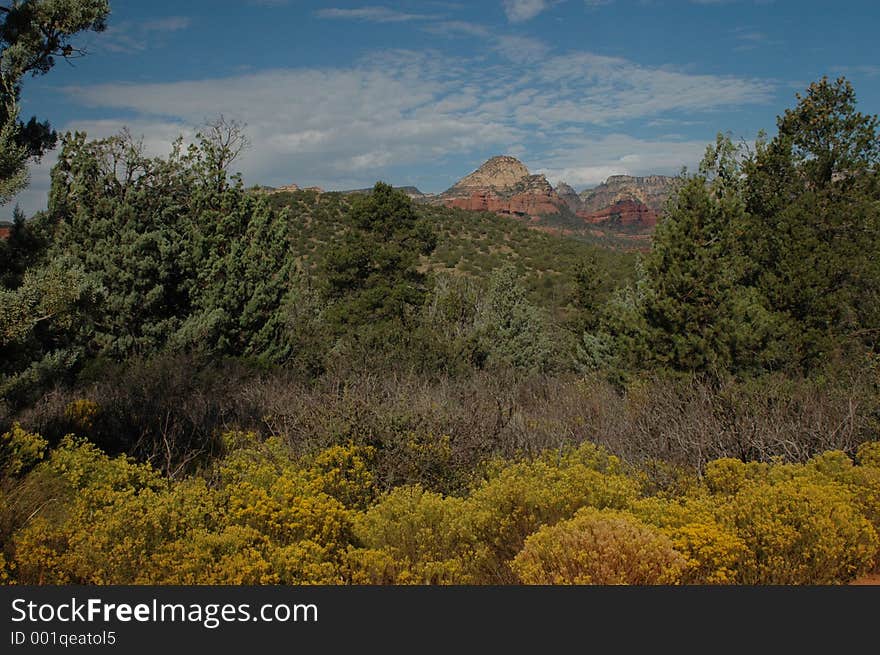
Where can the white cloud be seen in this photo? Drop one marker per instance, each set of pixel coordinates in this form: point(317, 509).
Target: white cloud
point(457, 28)
point(522, 10)
point(868, 70)
point(601, 90)
point(587, 162)
point(372, 15)
point(520, 49)
point(128, 37)
point(170, 24)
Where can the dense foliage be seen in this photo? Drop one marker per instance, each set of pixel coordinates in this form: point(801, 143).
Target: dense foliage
point(767, 259)
point(259, 515)
point(207, 383)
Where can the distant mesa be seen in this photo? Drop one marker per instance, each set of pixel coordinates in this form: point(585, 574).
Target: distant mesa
point(499, 174)
point(411, 191)
point(504, 185)
point(624, 214)
point(569, 196)
point(290, 188)
point(652, 191)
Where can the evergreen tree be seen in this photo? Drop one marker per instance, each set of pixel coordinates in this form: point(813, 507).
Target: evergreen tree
point(689, 311)
point(33, 34)
point(514, 332)
point(37, 322)
point(372, 273)
point(120, 217)
point(812, 233)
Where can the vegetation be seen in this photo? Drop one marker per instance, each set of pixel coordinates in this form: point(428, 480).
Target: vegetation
point(33, 35)
point(259, 515)
point(203, 383)
point(766, 259)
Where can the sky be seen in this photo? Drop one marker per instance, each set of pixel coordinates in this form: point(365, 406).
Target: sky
point(342, 94)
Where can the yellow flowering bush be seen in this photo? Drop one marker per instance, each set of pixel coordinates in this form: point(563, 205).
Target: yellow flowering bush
point(800, 532)
point(20, 450)
point(520, 498)
point(260, 515)
point(713, 554)
point(344, 473)
point(603, 547)
point(413, 536)
point(868, 454)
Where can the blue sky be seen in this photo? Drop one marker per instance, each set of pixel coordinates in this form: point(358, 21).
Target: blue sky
point(340, 94)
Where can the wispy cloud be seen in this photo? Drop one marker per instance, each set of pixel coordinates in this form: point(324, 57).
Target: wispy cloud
point(397, 109)
point(520, 49)
point(455, 28)
point(129, 37)
point(868, 70)
point(519, 11)
point(584, 162)
point(169, 24)
point(751, 39)
point(372, 15)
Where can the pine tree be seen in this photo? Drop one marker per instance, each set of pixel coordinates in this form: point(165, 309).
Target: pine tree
point(372, 272)
point(813, 231)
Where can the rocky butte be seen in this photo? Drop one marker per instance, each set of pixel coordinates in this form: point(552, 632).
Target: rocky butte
point(504, 185)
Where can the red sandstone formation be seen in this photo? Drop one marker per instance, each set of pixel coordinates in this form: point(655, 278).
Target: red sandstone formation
point(504, 185)
point(522, 204)
point(625, 213)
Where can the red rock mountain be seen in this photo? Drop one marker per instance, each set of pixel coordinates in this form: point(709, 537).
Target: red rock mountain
point(630, 214)
point(505, 186)
point(652, 191)
point(569, 196)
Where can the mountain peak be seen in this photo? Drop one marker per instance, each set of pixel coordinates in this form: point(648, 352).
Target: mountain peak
point(498, 173)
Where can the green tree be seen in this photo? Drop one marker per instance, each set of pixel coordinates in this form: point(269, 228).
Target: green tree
point(812, 233)
point(181, 255)
point(37, 319)
point(689, 311)
point(122, 218)
point(590, 281)
point(698, 318)
point(372, 273)
point(514, 331)
point(33, 35)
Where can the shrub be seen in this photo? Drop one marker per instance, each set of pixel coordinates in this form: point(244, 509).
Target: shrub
point(800, 532)
point(521, 497)
point(599, 547)
point(713, 552)
point(82, 414)
point(343, 472)
point(20, 450)
point(413, 536)
point(714, 555)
